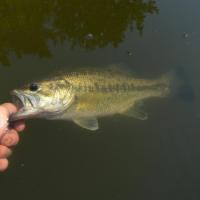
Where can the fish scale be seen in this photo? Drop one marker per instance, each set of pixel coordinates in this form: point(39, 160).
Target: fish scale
point(83, 97)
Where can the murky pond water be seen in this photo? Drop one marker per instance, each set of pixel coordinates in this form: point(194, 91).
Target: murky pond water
point(126, 158)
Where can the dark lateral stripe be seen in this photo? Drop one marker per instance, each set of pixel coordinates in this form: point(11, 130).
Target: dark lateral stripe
point(119, 88)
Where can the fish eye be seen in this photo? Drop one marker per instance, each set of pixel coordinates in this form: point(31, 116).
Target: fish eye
point(33, 87)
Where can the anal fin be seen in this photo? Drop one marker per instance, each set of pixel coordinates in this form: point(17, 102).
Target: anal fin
point(136, 112)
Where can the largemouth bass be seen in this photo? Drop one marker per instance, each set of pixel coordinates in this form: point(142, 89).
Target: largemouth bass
point(85, 96)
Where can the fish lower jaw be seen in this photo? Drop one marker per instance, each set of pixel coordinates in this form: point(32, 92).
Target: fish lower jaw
point(23, 114)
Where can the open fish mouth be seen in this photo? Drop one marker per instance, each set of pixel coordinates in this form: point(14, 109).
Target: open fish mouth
point(19, 103)
point(23, 101)
point(19, 100)
point(24, 105)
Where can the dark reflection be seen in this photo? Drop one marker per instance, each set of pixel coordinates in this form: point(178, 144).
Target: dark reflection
point(27, 26)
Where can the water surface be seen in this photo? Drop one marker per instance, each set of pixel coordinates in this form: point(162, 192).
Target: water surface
point(127, 158)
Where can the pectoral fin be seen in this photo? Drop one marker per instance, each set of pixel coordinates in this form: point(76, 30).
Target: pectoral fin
point(136, 112)
point(87, 123)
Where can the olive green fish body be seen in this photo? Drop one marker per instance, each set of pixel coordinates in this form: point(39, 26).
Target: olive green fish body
point(101, 94)
point(83, 97)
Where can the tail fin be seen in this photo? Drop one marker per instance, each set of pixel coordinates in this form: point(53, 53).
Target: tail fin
point(181, 87)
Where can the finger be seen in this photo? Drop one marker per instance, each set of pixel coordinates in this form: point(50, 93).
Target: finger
point(4, 152)
point(10, 139)
point(19, 126)
point(3, 120)
point(10, 107)
point(3, 164)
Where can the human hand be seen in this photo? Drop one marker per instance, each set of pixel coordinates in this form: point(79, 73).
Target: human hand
point(8, 136)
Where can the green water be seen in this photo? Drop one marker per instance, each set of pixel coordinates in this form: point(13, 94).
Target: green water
point(126, 159)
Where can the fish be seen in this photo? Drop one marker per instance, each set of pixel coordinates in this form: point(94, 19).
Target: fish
point(84, 97)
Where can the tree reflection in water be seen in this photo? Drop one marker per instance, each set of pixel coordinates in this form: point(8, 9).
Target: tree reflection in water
point(28, 26)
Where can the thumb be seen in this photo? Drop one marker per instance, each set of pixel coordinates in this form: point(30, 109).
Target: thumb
point(3, 120)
